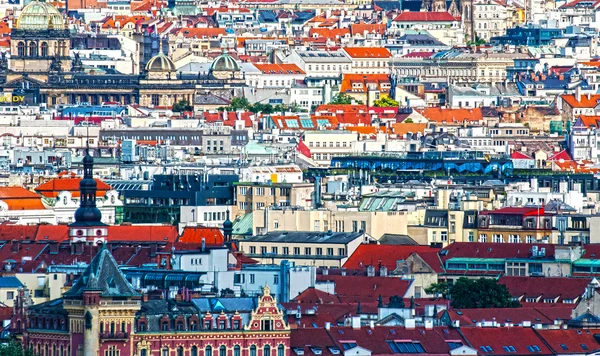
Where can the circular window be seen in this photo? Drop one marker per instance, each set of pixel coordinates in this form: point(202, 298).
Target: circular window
point(98, 232)
point(79, 232)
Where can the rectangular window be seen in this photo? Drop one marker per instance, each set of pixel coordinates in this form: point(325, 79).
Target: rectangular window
point(307, 251)
point(286, 250)
point(296, 250)
point(253, 250)
point(251, 278)
point(341, 251)
point(319, 251)
point(329, 251)
point(276, 279)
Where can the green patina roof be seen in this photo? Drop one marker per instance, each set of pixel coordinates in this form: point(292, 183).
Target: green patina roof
point(475, 260)
point(586, 262)
point(255, 148)
point(243, 225)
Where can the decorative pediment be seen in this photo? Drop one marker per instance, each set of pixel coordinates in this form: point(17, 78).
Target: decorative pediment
point(267, 316)
point(25, 82)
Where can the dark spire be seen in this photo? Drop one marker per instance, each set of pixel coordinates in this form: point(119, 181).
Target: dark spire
point(227, 228)
point(88, 214)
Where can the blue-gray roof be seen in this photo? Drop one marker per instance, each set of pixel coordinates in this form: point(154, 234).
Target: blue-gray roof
point(10, 282)
point(310, 237)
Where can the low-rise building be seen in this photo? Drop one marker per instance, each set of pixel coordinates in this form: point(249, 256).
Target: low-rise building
point(321, 249)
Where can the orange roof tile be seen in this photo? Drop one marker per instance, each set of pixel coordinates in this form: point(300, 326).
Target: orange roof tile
point(589, 121)
point(279, 69)
point(209, 32)
point(401, 129)
point(452, 115)
point(361, 28)
point(24, 204)
point(330, 33)
point(334, 108)
point(17, 193)
point(143, 233)
point(53, 187)
point(585, 102)
point(368, 52)
point(211, 236)
point(350, 81)
point(57, 233)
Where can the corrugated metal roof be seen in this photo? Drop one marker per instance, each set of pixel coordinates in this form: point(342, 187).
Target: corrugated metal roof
point(243, 225)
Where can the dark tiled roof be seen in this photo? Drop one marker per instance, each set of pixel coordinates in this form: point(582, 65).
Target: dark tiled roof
point(103, 274)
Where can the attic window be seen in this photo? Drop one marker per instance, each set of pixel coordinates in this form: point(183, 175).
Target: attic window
point(486, 348)
point(533, 348)
point(454, 344)
point(406, 347)
point(509, 348)
point(564, 347)
point(348, 345)
point(584, 346)
point(299, 351)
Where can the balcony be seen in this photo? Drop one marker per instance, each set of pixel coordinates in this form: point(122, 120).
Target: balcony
point(114, 336)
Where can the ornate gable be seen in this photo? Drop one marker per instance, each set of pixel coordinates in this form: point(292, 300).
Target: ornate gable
point(267, 316)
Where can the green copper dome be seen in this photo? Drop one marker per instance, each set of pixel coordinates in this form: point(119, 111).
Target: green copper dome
point(40, 16)
point(224, 63)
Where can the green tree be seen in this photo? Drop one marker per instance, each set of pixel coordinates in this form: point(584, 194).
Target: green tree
point(14, 348)
point(438, 289)
point(386, 102)
point(181, 106)
point(481, 293)
point(239, 104)
point(408, 121)
point(344, 99)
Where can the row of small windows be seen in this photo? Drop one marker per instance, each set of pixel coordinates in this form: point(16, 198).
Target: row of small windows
point(208, 351)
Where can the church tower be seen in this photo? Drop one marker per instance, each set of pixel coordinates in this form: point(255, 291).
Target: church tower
point(88, 226)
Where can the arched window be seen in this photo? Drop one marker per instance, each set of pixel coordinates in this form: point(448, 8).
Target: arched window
point(194, 351)
point(180, 351)
point(267, 350)
point(208, 351)
point(222, 350)
point(253, 350)
point(44, 49)
point(88, 320)
point(33, 49)
point(21, 49)
point(144, 352)
point(165, 351)
point(236, 350)
point(280, 350)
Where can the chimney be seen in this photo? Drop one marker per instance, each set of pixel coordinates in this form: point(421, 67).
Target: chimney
point(145, 297)
point(325, 271)
point(409, 324)
point(53, 248)
point(370, 271)
point(372, 324)
point(203, 244)
point(355, 322)
point(343, 271)
point(589, 96)
point(79, 247)
point(383, 271)
point(578, 93)
point(15, 246)
point(428, 324)
point(327, 325)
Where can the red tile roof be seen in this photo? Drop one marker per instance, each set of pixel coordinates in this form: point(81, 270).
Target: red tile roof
point(142, 233)
point(330, 33)
point(211, 236)
point(362, 28)
point(425, 16)
point(209, 32)
point(57, 233)
point(17, 193)
point(352, 289)
point(516, 316)
point(519, 155)
point(584, 102)
point(494, 250)
point(384, 255)
point(315, 296)
point(546, 287)
point(368, 52)
point(279, 69)
point(497, 338)
point(441, 115)
point(572, 339)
